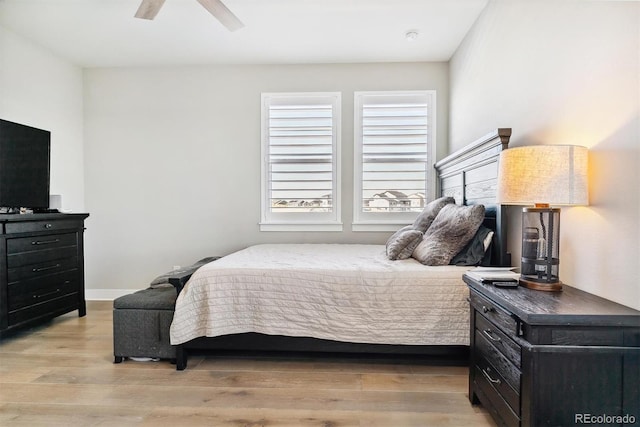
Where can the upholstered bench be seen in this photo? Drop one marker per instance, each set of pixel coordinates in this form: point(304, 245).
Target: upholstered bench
point(141, 322)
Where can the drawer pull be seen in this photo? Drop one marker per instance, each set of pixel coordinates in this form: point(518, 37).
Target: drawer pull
point(37, 270)
point(489, 334)
point(486, 309)
point(45, 242)
point(47, 294)
point(48, 225)
point(488, 377)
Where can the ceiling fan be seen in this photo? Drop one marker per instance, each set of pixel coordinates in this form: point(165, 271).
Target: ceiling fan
point(149, 9)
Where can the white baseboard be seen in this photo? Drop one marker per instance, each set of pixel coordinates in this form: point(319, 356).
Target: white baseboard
point(106, 294)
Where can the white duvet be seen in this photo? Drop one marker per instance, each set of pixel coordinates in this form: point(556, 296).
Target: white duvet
point(339, 292)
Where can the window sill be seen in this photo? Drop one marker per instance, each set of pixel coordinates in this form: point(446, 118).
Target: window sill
point(378, 226)
point(272, 226)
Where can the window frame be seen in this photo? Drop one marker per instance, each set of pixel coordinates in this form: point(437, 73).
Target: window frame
point(389, 221)
point(300, 221)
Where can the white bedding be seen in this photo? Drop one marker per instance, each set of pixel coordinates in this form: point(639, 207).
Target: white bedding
point(339, 292)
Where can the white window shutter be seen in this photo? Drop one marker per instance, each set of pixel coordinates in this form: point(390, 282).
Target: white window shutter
point(393, 155)
point(300, 161)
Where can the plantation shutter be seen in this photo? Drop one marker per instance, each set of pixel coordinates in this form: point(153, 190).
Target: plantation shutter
point(393, 139)
point(300, 157)
point(394, 153)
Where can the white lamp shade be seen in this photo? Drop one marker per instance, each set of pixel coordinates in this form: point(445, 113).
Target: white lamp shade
point(549, 174)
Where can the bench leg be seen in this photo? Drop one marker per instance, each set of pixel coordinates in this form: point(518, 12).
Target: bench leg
point(181, 358)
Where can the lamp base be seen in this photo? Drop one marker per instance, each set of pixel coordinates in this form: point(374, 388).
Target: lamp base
point(541, 286)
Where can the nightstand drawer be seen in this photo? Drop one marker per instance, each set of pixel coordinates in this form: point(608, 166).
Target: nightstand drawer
point(496, 314)
point(502, 342)
point(496, 402)
point(498, 360)
point(497, 381)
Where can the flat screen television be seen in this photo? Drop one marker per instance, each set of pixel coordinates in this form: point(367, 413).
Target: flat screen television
point(24, 166)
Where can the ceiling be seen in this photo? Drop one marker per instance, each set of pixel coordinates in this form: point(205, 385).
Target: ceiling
point(104, 33)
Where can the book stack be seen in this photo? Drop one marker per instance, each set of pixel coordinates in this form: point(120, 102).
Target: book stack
point(494, 275)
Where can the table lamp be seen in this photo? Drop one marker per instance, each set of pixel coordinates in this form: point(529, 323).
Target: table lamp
point(539, 177)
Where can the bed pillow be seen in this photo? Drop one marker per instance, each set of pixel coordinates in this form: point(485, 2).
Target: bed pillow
point(429, 213)
point(475, 251)
point(452, 229)
point(402, 243)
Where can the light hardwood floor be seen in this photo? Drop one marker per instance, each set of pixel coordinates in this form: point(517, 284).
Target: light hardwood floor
point(62, 373)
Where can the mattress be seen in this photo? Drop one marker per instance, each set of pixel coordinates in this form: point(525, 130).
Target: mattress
point(341, 292)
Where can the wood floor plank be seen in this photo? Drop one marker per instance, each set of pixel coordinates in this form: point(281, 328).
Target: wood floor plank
point(102, 360)
point(46, 415)
point(232, 417)
point(88, 415)
point(292, 364)
point(226, 379)
point(125, 394)
point(62, 373)
point(414, 382)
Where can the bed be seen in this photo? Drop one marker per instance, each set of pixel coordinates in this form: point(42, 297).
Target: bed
point(344, 298)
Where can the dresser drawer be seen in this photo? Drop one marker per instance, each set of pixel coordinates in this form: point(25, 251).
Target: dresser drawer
point(32, 292)
point(39, 260)
point(502, 342)
point(499, 361)
point(48, 308)
point(34, 226)
point(496, 314)
point(42, 242)
point(41, 270)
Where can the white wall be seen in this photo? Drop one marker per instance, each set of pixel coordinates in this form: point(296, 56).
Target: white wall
point(173, 159)
point(41, 90)
point(565, 72)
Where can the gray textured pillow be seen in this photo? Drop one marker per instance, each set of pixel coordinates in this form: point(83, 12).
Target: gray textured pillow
point(449, 233)
point(429, 213)
point(402, 243)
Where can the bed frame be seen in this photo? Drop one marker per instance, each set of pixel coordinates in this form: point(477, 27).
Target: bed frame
point(470, 176)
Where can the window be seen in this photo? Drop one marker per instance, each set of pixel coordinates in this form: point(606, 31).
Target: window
point(393, 162)
point(300, 162)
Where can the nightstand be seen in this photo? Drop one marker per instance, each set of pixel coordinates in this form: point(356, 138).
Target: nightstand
point(553, 358)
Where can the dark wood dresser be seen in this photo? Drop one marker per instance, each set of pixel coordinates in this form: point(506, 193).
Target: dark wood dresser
point(41, 268)
point(553, 358)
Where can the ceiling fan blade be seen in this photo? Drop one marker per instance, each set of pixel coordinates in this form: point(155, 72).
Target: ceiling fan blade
point(149, 9)
point(222, 13)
